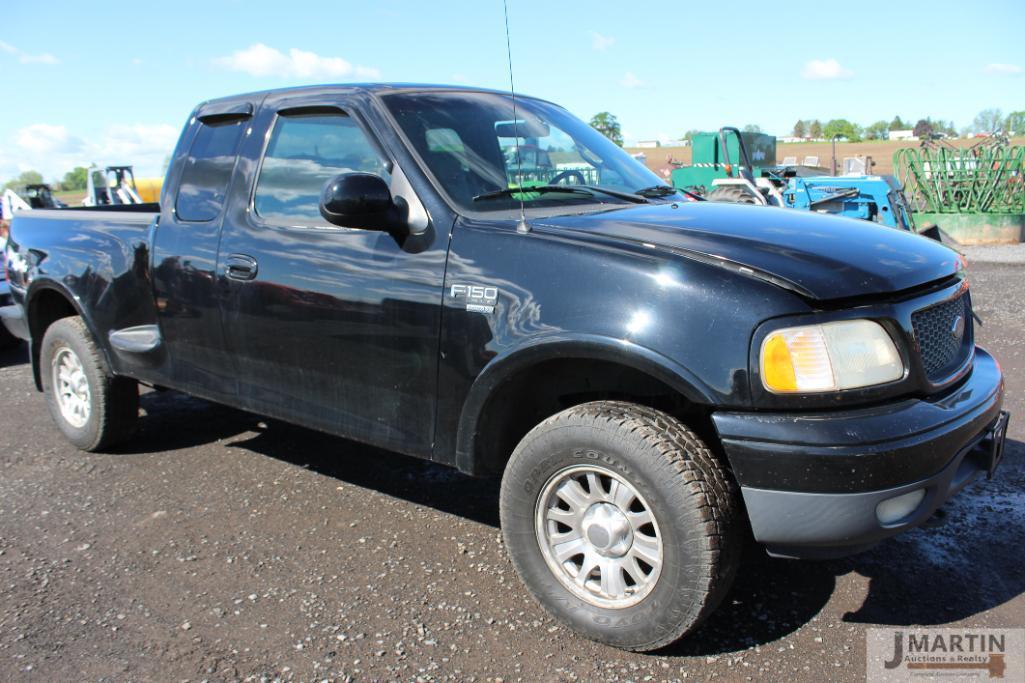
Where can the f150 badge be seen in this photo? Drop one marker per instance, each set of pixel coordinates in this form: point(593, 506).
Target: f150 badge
point(478, 298)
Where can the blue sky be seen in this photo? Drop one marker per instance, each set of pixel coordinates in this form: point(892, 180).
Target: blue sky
point(94, 83)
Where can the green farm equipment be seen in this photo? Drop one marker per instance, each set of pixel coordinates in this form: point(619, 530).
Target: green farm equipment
point(977, 192)
point(982, 179)
point(756, 179)
point(713, 157)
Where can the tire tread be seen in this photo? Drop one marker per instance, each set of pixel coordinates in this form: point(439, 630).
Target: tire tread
point(115, 399)
point(690, 466)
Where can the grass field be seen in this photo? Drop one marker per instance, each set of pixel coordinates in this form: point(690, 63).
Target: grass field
point(881, 152)
point(70, 197)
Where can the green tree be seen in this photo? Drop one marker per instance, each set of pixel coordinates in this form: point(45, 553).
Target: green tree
point(842, 128)
point(1015, 122)
point(924, 129)
point(752, 128)
point(988, 120)
point(800, 130)
point(877, 131)
point(898, 124)
point(815, 129)
point(608, 125)
point(75, 179)
point(26, 178)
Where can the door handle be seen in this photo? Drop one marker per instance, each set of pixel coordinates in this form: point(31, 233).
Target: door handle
point(241, 267)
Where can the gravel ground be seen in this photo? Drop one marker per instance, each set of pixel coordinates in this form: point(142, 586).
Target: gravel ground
point(997, 253)
point(220, 547)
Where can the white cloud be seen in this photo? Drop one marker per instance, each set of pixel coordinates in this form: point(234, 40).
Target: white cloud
point(262, 60)
point(43, 138)
point(601, 42)
point(630, 80)
point(1004, 69)
point(25, 58)
point(825, 70)
point(53, 150)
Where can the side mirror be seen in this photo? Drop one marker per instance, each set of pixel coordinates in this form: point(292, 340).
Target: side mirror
point(359, 200)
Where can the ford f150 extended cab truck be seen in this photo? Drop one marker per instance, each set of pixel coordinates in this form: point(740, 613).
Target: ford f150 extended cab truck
point(654, 378)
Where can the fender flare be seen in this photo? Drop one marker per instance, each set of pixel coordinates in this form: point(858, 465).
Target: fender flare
point(38, 286)
point(589, 347)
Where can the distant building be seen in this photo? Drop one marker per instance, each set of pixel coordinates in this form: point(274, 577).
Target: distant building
point(902, 135)
point(791, 138)
point(648, 144)
point(675, 143)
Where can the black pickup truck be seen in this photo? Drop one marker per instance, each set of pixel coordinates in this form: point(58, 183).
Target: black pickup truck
point(485, 281)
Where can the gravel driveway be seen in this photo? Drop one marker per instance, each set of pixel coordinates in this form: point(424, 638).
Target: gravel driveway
point(221, 547)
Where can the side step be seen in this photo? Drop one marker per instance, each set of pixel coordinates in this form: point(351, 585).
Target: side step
point(138, 339)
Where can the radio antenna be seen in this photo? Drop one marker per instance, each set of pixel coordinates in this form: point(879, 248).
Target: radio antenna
point(522, 225)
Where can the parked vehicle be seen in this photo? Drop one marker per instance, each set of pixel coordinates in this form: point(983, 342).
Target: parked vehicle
point(7, 340)
point(40, 196)
point(652, 377)
point(111, 186)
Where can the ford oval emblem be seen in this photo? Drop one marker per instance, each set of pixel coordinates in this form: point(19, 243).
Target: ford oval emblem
point(957, 327)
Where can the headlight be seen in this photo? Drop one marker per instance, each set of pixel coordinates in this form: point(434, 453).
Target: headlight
point(838, 355)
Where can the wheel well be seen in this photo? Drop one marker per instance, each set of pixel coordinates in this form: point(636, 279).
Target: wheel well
point(45, 308)
point(549, 387)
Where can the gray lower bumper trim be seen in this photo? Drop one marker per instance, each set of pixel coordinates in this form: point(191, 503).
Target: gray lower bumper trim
point(798, 524)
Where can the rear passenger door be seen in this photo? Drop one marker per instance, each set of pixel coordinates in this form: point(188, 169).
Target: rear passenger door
point(184, 260)
point(335, 328)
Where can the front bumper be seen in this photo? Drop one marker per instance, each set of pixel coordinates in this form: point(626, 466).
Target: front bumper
point(812, 482)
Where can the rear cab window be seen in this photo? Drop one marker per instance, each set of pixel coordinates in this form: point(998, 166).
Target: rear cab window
point(208, 168)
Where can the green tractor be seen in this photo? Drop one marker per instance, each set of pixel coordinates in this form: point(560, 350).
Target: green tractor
point(713, 172)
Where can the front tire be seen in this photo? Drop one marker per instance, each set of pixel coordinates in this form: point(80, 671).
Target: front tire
point(94, 409)
point(621, 523)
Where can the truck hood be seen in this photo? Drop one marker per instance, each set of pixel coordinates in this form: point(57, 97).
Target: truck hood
point(821, 257)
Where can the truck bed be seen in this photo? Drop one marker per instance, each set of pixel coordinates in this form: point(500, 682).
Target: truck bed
point(101, 255)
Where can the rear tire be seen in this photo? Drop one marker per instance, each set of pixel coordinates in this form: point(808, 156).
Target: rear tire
point(94, 409)
point(652, 512)
point(732, 194)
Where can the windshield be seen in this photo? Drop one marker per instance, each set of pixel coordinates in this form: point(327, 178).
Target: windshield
point(476, 148)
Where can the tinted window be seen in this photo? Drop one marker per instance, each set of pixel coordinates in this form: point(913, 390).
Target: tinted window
point(208, 169)
point(304, 153)
point(475, 144)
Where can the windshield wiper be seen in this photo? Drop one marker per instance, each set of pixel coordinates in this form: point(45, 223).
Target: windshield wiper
point(628, 196)
point(665, 190)
point(589, 190)
point(540, 189)
point(656, 191)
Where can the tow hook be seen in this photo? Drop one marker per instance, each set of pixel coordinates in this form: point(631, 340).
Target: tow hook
point(938, 519)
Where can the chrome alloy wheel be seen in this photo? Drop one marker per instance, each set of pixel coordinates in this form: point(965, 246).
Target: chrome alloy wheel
point(71, 387)
point(598, 536)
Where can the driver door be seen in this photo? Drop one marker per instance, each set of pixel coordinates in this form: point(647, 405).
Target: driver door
point(335, 328)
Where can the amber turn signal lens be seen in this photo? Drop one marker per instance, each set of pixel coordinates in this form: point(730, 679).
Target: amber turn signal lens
point(777, 368)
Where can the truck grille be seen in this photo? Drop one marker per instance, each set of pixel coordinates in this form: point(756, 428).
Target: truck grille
point(936, 328)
